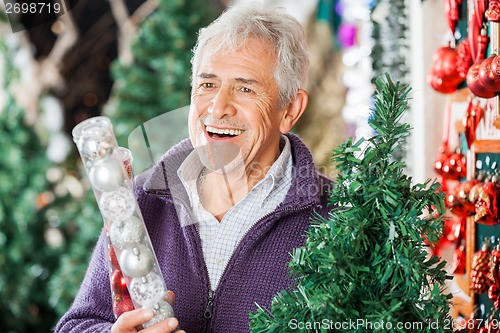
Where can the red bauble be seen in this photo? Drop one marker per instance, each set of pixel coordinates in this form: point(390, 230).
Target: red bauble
point(495, 67)
point(464, 61)
point(481, 278)
point(452, 202)
point(473, 116)
point(438, 165)
point(440, 85)
point(493, 294)
point(450, 166)
point(113, 260)
point(480, 8)
point(444, 75)
point(495, 267)
point(121, 305)
point(452, 10)
point(488, 204)
point(455, 166)
point(487, 77)
point(118, 284)
point(472, 32)
point(493, 11)
point(475, 85)
point(446, 239)
point(483, 41)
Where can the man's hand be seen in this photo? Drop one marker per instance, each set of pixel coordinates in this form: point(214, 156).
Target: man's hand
point(131, 321)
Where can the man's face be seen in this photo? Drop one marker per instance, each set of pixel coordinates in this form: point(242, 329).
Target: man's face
point(234, 110)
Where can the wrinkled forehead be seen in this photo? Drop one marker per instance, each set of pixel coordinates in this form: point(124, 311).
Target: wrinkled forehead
point(219, 46)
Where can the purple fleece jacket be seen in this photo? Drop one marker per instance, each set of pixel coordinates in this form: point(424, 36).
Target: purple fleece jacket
point(257, 270)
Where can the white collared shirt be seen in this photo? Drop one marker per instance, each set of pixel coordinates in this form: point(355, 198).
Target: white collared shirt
point(220, 239)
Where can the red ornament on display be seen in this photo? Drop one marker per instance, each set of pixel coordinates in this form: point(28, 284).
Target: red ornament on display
point(438, 165)
point(493, 11)
point(459, 229)
point(488, 78)
point(451, 166)
point(444, 75)
point(452, 10)
point(488, 204)
point(474, 29)
point(447, 238)
point(483, 40)
point(479, 10)
point(475, 85)
point(494, 291)
point(464, 61)
point(453, 202)
point(473, 32)
point(457, 166)
point(480, 273)
point(473, 116)
point(495, 67)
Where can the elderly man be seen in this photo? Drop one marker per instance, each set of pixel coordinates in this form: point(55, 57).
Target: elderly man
point(225, 208)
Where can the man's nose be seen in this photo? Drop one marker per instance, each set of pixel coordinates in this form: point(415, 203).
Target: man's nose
point(222, 103)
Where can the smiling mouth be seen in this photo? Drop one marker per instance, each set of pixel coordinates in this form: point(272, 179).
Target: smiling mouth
point(222, 133)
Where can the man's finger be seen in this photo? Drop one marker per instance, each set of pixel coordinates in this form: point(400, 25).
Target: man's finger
point(127, 322)
point(166, 326)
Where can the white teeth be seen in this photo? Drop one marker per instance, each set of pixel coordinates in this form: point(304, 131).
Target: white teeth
point(223, 131)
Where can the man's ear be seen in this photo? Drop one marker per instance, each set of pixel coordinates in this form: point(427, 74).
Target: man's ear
point(293, 111)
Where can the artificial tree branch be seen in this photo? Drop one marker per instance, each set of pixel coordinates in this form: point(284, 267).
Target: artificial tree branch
point(128, 24)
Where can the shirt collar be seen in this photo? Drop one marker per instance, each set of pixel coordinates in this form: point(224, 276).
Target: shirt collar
point(189, 172)
point(190, 169)
point(280, 167)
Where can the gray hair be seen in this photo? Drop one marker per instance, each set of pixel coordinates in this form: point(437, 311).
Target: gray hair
point(237, 24)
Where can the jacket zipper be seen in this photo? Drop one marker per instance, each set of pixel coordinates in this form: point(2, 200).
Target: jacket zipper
point(210, 305)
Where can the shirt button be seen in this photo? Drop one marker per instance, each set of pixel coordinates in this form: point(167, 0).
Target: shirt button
point(219, 261)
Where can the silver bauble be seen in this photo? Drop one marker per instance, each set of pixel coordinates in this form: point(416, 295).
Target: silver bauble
point(162, 311)
point(147, 290)
point(127, 233)
point(106, 175)
point(136, 262)
point(117, 205)
point(96, 143)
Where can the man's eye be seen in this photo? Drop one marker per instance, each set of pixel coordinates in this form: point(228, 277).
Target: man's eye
point(246, 90)
point(207, 85)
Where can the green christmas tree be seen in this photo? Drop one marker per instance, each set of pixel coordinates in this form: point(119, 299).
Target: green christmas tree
point(80, 222)
point(365, 268)
point(45, 229)
point(158, 79)
point(26, 260)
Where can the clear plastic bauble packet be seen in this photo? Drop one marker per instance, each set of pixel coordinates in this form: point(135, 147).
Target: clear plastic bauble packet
point(135, 277)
